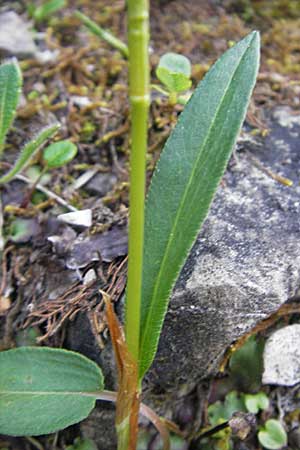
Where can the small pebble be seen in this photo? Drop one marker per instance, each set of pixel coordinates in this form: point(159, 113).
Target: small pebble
point(81, 218)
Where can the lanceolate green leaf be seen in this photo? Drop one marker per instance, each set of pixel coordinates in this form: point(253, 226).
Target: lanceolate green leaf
point(29, 150)
point(186, 178)
point(43, 390)
point(10, 89)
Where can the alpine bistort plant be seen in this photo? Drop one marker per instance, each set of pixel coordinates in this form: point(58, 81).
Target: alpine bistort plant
point(43, 390)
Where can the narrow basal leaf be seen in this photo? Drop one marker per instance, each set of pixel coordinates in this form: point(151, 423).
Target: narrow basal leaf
point(29, 150)
point(186, 178)
point(10, 89)
point(43, 390)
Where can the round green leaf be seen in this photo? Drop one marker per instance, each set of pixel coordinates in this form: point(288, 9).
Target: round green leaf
point(176, 63)
point(59, 154)
point(255, 402)
point(273, 436)
point(43, 390)
point(174, 71)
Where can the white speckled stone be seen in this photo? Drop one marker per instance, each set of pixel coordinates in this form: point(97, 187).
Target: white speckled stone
point(282, 357)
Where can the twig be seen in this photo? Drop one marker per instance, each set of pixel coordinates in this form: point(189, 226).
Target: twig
point(47, 192)
point(34, 442)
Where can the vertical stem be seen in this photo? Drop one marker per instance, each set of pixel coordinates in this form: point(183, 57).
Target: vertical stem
point(138, 38)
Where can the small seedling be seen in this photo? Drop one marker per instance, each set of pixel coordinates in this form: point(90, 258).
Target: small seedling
point(220, 412)
point(55, 155)
point(29, 151)
point(272, 436)
point(174, 72)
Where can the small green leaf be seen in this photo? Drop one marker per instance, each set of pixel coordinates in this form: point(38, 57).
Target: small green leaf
point(59, 154)
point(29, 150)
point(47, 9)
point(273, 436)
point(174, 71)
point(246, 364)
point(21, 230)
point(43, 390)
point(220, 412)
point(176, 63)
point(10, 90)
point(255, 402)
point(186, 178)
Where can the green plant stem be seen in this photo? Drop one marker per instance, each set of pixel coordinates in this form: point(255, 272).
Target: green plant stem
point(103, 34)
point(172, 98)
point(148, 413)
point(138, 37)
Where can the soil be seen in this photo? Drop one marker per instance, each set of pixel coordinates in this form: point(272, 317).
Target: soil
point(48, 278)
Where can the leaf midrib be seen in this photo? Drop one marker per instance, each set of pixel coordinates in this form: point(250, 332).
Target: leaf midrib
point(47, 393)
point(170, 240)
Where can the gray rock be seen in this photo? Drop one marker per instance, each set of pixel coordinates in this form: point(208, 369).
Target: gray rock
point(244, 265)
point(101, 184)
point(282, 357)
point(15, 37)
point(105, 246)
